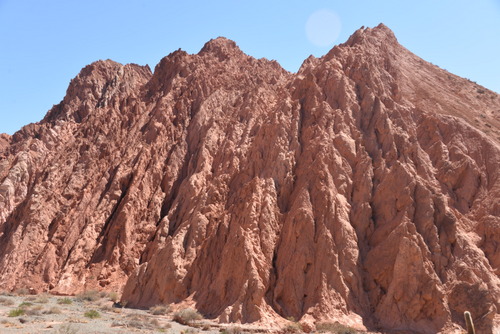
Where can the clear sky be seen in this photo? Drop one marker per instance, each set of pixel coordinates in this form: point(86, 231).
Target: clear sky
point(45, 43)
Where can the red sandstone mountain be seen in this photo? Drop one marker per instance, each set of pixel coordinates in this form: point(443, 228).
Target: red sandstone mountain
point(364, 188)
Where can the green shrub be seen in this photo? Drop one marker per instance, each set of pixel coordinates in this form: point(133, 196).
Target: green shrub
point(65, 301)
point(16, 312)
point(187, 316)
point(92, 314)
point(25, 304)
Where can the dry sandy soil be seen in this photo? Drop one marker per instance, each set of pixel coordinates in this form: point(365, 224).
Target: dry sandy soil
point(74, 314)
point(94, 312)
point(70, 315)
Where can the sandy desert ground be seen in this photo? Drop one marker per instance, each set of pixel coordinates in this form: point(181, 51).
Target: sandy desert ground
point(88, 313)
point(98, 313)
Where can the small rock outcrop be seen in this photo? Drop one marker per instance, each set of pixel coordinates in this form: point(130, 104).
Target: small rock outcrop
point(363, 189)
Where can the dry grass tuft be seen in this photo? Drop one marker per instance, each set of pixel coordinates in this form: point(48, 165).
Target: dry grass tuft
point(159, 310)
point(32, 311)
point(65, 301)
point(187, 316)
point(43, 299)
point(291, 328)
point(6, 323)
point(106, 308)
point(113, 296)
point(89, 296)
point(233, 330)
point(334, 327)
point(22, 292)
point(190, 331)
point(138, 321)
point(6, 301)
point(53, 310)
point(67, 329)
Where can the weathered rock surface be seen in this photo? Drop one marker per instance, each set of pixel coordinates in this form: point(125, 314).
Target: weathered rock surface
point(364, 188)
point(4, 142)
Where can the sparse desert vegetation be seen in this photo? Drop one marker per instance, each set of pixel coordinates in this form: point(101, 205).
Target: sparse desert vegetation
point(159, 310)
point(187, 316)
point(21, 292)
point(88, 296)
point(91, 312)
point(334, 327)
point(16, 312)
point(6, 301)
point(65, 301)
point(291, 328)
point(114, 297)
point(96, 312)
point(233, 330)
point(53, 310)
point(43, 299)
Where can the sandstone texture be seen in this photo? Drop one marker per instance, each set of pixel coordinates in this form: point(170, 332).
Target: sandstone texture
point(363, 189)
point(4, 141)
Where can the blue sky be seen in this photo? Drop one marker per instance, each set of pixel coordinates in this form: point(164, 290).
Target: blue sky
point(43, 44)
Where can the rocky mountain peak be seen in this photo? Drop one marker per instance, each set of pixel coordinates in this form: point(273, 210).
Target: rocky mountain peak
point(379, 35)
point(95, 86)
point(222, 48)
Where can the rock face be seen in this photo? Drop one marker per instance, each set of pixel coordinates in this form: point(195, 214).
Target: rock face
point(364, 188)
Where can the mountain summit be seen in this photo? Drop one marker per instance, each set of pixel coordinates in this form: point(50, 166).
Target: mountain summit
point(363, 189)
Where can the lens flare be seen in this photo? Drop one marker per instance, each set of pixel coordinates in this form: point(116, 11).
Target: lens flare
point(323, 28)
